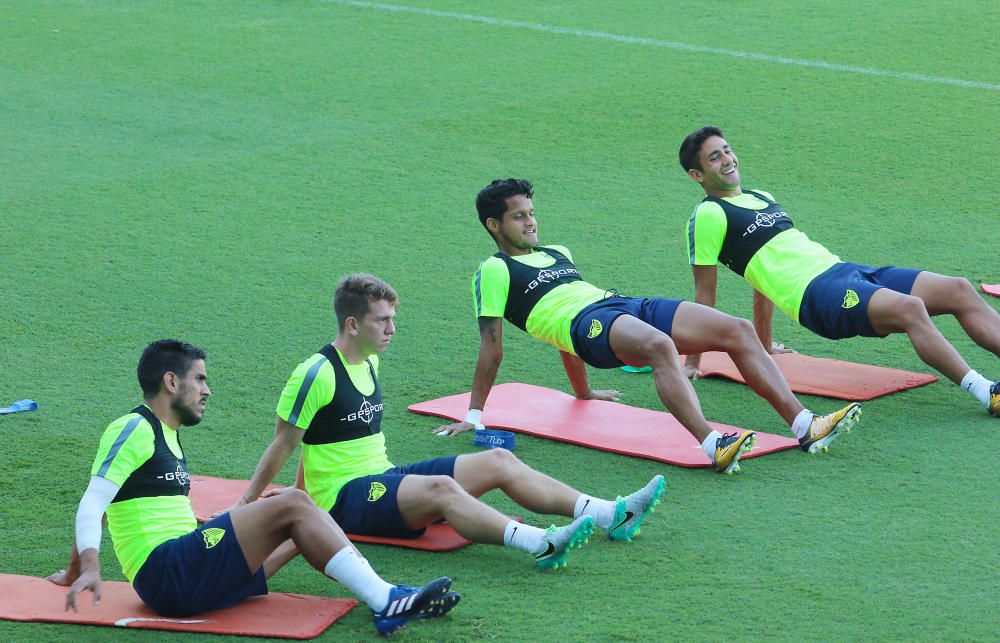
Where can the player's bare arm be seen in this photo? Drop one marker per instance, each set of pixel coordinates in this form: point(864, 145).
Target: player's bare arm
point(763, 318)
point(487, 367)
point(705, 286)
point(286, 438)
point(576, 370)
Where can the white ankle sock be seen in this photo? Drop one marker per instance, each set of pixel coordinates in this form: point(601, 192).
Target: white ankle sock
point(603, 511)
point(800, 426)
point(352, 570)
point(978, 386)
point(524, 537)
point(708, 445)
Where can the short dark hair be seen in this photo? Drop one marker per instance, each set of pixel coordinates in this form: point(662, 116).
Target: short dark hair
point(355, 295)
point(491, 200)
point(161, 357)
point(692, 145)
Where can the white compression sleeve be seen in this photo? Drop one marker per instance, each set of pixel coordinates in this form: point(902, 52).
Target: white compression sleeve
point(94, 503)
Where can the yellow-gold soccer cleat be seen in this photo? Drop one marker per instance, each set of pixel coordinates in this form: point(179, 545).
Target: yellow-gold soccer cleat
point(994, 406)
point(824, 429)
point(730, 448)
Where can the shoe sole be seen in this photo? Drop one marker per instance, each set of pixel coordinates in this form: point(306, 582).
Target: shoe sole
point(848, 422)
point(633, 530)
point(734, 465)
point(579, 538)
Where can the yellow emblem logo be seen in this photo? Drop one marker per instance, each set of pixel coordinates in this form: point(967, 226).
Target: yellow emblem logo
point(376, 492)
point(850, 299)
point(212, 536)
point(595, 329)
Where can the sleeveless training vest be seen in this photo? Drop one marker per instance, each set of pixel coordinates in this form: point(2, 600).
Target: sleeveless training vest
point(748, 230)
point(529, 284)
point(349, 415)
point(163, 474)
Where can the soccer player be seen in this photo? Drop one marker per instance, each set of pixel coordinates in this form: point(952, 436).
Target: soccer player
point(140, 479)
point(539, 290)
point(332, 404)
point(751, 234)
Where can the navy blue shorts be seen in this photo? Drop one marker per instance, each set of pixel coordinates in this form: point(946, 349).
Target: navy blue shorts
point(198, 572)
point(835, 304)
point(591, 329)
point(367, 506)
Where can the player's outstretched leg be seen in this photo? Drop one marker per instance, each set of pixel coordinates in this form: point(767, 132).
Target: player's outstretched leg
point(558, 541)
point(631, 510)
point(409, 603)
point(824, 429)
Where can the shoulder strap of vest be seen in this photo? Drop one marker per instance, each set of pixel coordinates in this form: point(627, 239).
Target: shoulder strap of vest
point(760, 196)
point(329, 352)
point(147, 414)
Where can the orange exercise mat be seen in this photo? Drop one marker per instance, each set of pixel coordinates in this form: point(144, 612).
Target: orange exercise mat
point(991, 289)
point(276, 615)
point(825, 377)
point(209, 495)
point(608, 426)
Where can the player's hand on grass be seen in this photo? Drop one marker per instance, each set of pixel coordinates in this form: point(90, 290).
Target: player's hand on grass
point(779, 349)
point(454, 429)
point(607, 396)
point(90, 579)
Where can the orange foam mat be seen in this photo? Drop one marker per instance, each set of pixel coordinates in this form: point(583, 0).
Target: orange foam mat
point(991, 289)
point(826, 377)
point(608, 426)
point(209, 495)
point(277, 615)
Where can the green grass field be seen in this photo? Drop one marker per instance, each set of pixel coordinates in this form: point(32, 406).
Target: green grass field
point(208, 170)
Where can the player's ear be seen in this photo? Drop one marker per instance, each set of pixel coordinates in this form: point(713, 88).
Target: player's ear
point(170, 382)
point(493, 224)
point(696, 174)
point(351, 325)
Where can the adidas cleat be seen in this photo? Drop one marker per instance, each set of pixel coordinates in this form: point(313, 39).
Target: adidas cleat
point(409, 603)
point(994, 406)
point(730, 448)
point(559, 541)
point(825, 429)
point(631, 510)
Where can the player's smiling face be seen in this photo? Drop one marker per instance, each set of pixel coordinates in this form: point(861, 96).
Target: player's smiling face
point(517, 231)
point(720, 169)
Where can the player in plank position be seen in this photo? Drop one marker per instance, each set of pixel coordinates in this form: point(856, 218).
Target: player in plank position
point(752, 235)
point(140, 480)
point(539, 290)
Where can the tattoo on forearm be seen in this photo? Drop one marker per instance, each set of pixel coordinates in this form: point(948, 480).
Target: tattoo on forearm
point(488, 325)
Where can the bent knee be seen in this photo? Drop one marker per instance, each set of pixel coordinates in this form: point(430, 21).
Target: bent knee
point(910, 311)
point(441, 486)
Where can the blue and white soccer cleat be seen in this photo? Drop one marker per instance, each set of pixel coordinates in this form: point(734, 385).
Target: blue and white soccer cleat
point(826, 428)
point(631, 510)
point(409, 603)
point(559, 541)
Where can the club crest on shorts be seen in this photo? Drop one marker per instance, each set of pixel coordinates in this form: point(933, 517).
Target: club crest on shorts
point(212, 536)
point(595, 329)
point(376, 492)
point(850, 299)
